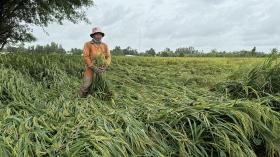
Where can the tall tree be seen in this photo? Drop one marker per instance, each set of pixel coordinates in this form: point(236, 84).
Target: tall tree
point(167, 52)
point(117, 51)
point(16, 16)
point(151, 52)
point(76, 51)
point(253, 51)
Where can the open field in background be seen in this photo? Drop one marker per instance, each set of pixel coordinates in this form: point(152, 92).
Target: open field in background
point(161, 107)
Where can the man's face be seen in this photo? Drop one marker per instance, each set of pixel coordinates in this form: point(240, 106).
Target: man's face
point(98, 36)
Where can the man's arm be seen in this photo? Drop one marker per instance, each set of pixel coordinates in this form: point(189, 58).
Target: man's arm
point(108, 55)
point(87, 56)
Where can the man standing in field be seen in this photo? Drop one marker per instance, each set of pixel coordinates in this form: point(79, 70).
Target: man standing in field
point(92, 49)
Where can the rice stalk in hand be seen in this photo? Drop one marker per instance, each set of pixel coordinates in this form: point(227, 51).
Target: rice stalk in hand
point(100, 86)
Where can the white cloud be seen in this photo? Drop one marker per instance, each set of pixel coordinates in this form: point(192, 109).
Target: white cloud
point(204, 24)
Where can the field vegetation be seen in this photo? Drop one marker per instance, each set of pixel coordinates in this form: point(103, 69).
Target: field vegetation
point(158, 107)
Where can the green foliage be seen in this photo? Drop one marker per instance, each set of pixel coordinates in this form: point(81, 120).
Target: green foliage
point(49, 48)
point(101, 86)
point(157, 110)
point(76, 51)
point(151, 52)
point(16, 16)
point(265, 78)
point(189, 52)
point(262, 80)
point(127, 51)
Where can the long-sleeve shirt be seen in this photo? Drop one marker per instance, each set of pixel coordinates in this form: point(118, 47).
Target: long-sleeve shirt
point(92, 50)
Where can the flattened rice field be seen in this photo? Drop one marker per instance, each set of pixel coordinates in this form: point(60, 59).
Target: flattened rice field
point(160, 107)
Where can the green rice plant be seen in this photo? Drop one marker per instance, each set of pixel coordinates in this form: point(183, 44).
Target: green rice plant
point(218, 129)
point(155, 113)
point(5, 149)
point(236, 90)
point(100, 86)
point(265, 78)
point(262, 80)
point(273, 101)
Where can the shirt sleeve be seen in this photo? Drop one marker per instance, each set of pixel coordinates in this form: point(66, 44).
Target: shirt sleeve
point(108, 55)
point(87, 56)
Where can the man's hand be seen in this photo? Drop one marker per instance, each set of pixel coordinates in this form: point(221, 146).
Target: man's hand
point(95, 70)
point(103, 68)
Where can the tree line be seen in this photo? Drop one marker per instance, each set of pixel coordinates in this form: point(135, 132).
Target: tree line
point(48, 48)
point(118, 51)
point(190, 51)
point(16, 19)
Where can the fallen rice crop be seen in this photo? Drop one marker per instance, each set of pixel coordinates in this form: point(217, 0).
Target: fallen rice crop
point(161, 108)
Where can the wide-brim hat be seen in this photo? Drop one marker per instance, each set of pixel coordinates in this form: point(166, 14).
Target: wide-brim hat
point(97, 30)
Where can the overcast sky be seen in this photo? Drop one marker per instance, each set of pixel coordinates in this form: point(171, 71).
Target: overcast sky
point(203, 24)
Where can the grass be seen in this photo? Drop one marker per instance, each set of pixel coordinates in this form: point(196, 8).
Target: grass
point(260, 81)
point(161, 107)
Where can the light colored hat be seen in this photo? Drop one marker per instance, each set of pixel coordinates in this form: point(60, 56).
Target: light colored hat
point(97, 30)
